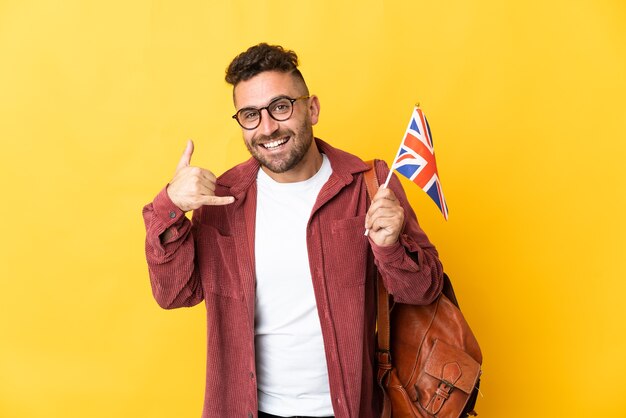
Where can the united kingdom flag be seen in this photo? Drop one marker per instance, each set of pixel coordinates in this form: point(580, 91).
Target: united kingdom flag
point(416, 159)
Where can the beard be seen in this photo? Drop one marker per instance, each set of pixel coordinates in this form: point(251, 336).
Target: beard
point(299, 142)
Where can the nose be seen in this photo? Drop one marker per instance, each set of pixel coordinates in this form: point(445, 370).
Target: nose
point(268, 124)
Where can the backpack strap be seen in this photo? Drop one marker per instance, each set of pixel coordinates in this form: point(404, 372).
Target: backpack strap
point(383, 352)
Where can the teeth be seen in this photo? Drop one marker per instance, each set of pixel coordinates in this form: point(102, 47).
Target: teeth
point(274, 144)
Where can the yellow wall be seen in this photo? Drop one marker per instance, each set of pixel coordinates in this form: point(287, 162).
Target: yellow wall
point(527, 103)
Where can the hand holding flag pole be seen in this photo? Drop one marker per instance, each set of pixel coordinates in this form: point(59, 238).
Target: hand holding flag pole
point(415, 160)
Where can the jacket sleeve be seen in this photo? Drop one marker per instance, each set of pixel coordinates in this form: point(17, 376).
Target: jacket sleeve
point(171, 256)
point(411, 269)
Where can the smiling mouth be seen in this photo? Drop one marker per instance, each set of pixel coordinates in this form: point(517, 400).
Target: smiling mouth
point(275, 144)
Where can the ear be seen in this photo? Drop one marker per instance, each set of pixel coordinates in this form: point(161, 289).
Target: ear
point(314, 109)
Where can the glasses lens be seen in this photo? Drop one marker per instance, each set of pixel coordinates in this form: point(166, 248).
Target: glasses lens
point(249, 118)
point(280, 109)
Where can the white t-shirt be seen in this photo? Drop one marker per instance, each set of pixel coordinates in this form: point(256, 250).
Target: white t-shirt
point(292, 376)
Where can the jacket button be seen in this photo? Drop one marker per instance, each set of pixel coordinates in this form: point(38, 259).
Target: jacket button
point(172, 214)
point(250, 415)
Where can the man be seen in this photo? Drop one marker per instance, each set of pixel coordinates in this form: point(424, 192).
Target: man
point(277, 251)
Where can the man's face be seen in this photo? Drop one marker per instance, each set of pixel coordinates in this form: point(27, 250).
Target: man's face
point(278, 146)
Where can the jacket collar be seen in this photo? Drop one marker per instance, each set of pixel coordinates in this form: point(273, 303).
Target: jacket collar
point(239, 178)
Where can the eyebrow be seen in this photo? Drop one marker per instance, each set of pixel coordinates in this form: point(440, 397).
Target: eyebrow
point(280, 96)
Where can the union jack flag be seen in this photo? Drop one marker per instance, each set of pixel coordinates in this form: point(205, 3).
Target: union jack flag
point(416, 159)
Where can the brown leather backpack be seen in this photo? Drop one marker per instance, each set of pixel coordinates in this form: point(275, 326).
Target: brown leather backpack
point(428, 358)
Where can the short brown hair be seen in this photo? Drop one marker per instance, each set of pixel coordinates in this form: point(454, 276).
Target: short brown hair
point(260, 58)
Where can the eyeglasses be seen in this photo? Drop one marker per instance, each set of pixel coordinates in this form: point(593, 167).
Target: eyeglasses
point(280, 109)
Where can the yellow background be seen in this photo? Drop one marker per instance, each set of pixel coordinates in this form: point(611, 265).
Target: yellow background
point(526, 101)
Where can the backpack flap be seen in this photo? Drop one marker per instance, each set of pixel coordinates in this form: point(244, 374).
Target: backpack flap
point(461, 373)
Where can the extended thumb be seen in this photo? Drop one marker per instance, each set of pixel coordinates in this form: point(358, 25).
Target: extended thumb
point(185, 159)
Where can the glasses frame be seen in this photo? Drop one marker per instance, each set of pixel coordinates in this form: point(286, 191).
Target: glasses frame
point(260, 110)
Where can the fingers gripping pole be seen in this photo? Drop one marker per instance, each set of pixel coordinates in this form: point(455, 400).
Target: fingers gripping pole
point(384, 186)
